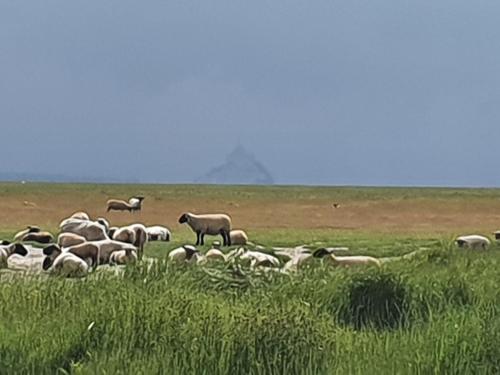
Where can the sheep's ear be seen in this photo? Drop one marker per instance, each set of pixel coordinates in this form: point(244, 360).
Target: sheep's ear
point(20, 249)
point(49, 250)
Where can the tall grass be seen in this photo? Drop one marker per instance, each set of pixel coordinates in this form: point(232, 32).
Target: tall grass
point(436, 313)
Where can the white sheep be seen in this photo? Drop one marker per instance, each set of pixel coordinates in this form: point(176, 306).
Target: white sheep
point(29, 229)
point(355, 260)
point(104, 223)
point(135, 234)
point(183, 253)
point(158, 233)
point(211, 224)
point(238, 237)
point(10, 249)
point(473, 241)
point(80, 215)
point(122, 257)
point(215, 255)
point(90, 230)
point(257, 258)
point(66, 264)
point(69, 239)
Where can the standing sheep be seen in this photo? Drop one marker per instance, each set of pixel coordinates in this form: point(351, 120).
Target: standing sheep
point(211, 224)
point(134, 204)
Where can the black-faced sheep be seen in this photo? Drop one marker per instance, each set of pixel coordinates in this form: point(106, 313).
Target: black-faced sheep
point(211, 224)
point(10, 249)
point(158, 233)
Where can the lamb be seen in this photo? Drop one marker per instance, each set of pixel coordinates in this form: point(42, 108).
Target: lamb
point(40, 237)
point(90, 230)
point(183, 253)
point(67, 263)
point(134, 204)
point(10, 249)
point(29, 229)
point(158, 233)
point(211, 224)
point(122, 257)
point(473, 241)
point(69, 239)
point(238, 237)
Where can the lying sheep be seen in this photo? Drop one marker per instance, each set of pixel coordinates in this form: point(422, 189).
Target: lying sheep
point(473, 241)
point(90, 230)
point(158, 233)
point(104, 223)
point(69, 239)
point(257, 258)
point(183, 254)
point(29, 229)
point(10, 249)
point(70, 263)
point(238, 237)
point(211, 224)
point(40, 237)
point(135, 234)
point(134, 204)
point(80, 215)
point(122, 257)
point(355, 260)
point(107, 247)
point(215, 255)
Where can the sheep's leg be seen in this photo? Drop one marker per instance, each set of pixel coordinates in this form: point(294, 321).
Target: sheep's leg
point(228, 239)
point(202, 237)
point(198, 238)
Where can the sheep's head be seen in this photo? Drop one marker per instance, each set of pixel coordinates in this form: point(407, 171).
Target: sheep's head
point(190, 251)
point(33, 229)
point(4, 243)
point(184, 218)
point(18, 249)
point(51, 252)
point(321, 252)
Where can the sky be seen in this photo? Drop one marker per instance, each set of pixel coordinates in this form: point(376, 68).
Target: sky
point(379, 92)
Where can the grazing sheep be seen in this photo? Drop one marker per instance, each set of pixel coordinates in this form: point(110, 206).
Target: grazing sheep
point(80, 215)
point(40, 237)
point(238, 237)
point(69, 263)
point(69, 239)
point(134, 204)
point(29, 229)
point(158, 233)
point(211, 224)
point(473, 241)
point(355, 260)
point(90, 230)
point(10, 249)
point(183, 253)
point(122, 257)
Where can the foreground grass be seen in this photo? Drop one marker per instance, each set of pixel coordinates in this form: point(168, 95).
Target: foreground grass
point(437, 313)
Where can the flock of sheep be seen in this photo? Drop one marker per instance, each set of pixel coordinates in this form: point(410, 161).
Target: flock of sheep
point(84, 244)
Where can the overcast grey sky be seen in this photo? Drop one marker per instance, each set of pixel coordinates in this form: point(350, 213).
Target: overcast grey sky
point(387, 92)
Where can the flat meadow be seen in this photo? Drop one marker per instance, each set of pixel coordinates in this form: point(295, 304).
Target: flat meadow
point(437, 312)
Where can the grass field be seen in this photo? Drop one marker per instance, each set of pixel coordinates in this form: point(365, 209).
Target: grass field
point(438, 313)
